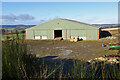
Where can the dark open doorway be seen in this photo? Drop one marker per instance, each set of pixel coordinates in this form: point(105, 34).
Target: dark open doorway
point(57, 33)
point(104, 34)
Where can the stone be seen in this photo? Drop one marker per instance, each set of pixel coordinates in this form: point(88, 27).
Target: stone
point(89, 61)
point(110, 37)
point(117, 62)
point(112, 60)
point(101, 59)
point(96, 58)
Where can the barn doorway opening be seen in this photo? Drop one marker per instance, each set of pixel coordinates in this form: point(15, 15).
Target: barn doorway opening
point(57, 33)
point(104, 34)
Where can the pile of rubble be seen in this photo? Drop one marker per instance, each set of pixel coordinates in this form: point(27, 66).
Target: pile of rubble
point(109, 37)
point(108, 60)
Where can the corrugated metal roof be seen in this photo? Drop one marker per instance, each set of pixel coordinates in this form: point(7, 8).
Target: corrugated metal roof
point(80, 22)
point(70, 21)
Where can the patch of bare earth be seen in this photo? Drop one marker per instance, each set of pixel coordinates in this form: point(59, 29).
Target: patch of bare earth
point(82, 50)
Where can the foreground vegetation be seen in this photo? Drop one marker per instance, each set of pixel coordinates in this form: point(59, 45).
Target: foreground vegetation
point(5, 36)
point(19, 63)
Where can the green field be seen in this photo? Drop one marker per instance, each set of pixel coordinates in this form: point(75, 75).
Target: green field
point(12, 35)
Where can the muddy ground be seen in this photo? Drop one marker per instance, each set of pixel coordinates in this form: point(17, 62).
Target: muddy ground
point(82, 50)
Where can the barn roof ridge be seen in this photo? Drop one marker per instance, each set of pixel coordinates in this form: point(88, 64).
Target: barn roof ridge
point(79, 22)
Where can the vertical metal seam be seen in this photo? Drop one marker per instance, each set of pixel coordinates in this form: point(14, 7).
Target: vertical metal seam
point(34, 33)
point(66, 33)
point(47, 34)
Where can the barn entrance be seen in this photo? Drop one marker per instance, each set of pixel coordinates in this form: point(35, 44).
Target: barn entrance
point(57, 33)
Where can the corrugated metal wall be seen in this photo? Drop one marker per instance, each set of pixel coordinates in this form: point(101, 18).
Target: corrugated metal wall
point(66, 34)
point(29, 34)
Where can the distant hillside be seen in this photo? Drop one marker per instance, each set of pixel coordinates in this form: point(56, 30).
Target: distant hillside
point(17, 27)
point(107, 25)
point(23, 27)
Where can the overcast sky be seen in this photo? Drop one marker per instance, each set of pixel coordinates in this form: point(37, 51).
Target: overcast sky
point(40, 12)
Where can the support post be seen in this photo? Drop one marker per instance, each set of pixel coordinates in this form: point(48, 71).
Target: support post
point(97, 34)
point(66, 33)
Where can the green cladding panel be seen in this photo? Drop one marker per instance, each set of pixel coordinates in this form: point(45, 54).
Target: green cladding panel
point(30, 34)
point(78, 33)
point(91, 34)
point(40, 32)
point(68, 27)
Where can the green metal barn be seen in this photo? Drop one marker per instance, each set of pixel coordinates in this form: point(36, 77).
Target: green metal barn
point(64, 28)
